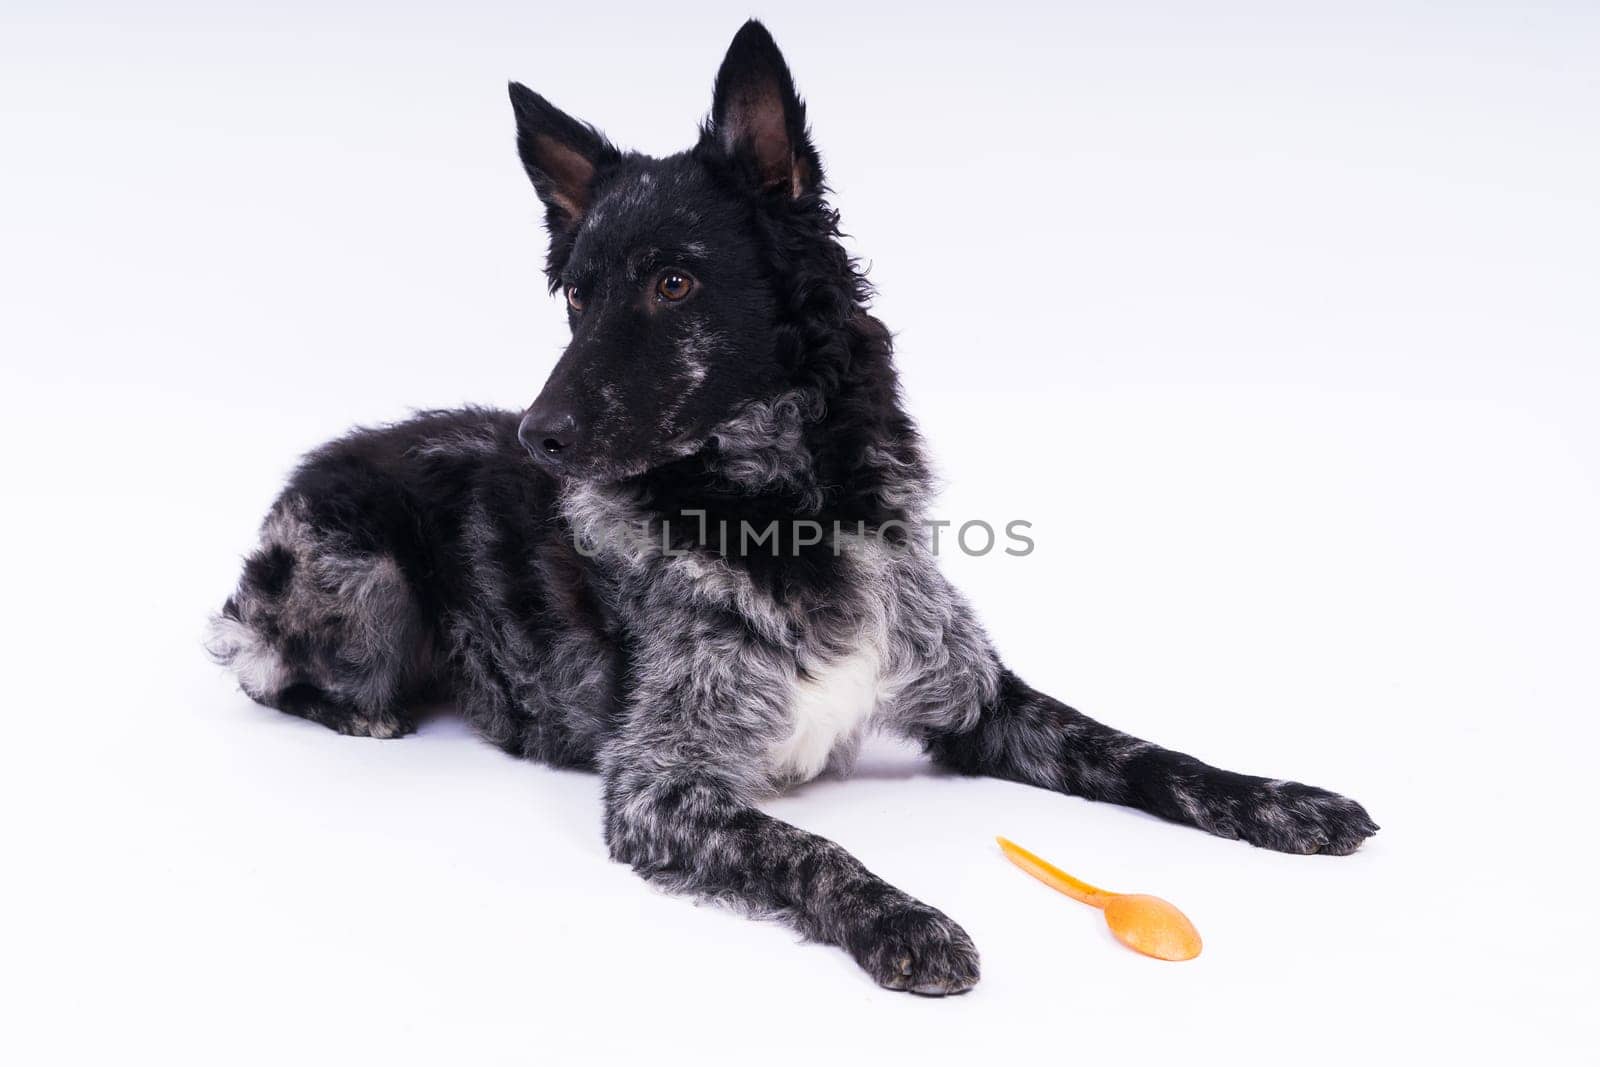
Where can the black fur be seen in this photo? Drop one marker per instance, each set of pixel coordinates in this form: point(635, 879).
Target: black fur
point(583, 606)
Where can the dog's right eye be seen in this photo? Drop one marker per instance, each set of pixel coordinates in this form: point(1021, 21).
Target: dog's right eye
point(574, 298)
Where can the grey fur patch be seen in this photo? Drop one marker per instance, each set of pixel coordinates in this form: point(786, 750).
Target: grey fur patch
point(763, 447)
point(345, 622)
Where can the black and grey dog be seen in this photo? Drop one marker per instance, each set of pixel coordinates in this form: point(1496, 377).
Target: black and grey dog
point(712, 575)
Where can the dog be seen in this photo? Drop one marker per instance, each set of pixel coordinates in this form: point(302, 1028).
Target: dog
point(697, 564)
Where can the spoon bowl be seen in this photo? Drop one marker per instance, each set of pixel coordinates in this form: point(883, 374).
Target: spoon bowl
point(1152, 926)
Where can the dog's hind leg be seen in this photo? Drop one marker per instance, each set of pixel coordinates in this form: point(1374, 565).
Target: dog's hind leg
point(1025, 736)
point(322, 630)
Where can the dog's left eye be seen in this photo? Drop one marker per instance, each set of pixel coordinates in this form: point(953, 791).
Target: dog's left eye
point(574, 298)
point(674, 286)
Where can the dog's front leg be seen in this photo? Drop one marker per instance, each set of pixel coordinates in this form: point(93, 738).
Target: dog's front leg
point(680, 779)
point(1027, 736)
point(691, 831)
point(976, 717)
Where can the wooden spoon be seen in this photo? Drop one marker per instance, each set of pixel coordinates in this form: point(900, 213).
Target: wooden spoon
point(1144, 923)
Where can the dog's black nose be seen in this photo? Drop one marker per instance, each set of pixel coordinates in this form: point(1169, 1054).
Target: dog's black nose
point(548, 434)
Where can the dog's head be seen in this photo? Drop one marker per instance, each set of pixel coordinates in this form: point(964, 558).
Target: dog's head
point(667, 268)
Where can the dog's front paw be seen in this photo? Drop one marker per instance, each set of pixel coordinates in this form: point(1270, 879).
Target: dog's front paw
point(1291, 817)
point(918, 949)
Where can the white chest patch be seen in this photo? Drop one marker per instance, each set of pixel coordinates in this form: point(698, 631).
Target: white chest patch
point(830, 709)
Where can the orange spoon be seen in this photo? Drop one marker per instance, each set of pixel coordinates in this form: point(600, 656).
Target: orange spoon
point(1144, 923)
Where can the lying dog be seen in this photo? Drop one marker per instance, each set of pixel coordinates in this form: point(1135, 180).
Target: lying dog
point(711, 576)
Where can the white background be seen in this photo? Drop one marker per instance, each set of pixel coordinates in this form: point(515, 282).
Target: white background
point(1278, 321)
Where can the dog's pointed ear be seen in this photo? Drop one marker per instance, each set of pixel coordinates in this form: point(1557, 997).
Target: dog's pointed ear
point(563, 156)
point(758, 120)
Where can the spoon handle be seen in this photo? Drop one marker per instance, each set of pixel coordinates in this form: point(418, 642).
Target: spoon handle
point(1054, 876)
